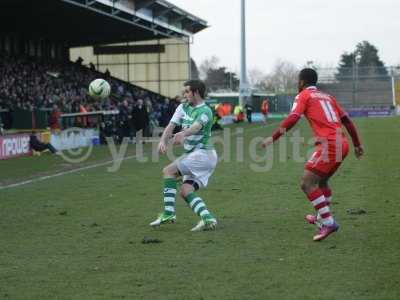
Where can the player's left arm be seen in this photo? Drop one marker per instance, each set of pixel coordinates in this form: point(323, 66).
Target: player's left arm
point(192, 130)
point(197, 125)
point(180, 136)
point(351, 129)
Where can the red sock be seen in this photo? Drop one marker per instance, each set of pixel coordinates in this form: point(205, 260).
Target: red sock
point(320, 204)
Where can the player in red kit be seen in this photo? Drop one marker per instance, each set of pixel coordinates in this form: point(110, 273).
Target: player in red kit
point(326, 118)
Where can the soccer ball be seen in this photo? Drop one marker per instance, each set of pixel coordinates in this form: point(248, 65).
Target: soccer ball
point(99, 89)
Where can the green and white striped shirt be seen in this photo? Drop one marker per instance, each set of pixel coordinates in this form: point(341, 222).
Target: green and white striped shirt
point(185, 115)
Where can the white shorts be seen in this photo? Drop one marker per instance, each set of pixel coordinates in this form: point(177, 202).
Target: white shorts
point(197, 166)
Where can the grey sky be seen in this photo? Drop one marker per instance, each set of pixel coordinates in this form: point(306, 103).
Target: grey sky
point(295, 30)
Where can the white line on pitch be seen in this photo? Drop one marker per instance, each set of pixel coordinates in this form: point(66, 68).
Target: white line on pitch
point(61, 174)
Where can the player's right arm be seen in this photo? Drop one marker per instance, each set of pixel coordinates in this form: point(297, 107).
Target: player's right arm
point(298, 109)
point(176, 120)
point(163, 144)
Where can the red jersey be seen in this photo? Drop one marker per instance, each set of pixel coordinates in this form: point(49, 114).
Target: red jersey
point(264, 107)
point(322, 112)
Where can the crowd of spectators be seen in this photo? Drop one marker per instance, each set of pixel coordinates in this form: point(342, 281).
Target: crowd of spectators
point(134, 116)
point(28, 83)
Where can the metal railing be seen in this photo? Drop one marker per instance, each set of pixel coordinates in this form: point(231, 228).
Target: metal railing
point(361, 86)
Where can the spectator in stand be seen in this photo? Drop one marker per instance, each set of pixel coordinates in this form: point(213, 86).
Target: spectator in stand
point(84, 120)
point(55, 117)
point(107, 74)
point(164, 117)
point(152, 120)
point(157, 112)
point(92, 67)
point(79, 61)
point(1, 125)
point(167, 111)
point(249, 110)
point(125, 124)
point(140, 117)
point(121, 90)
point(175, 103)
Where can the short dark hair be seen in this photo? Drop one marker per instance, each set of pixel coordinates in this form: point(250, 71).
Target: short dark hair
point(196, 86)
point(309, 76)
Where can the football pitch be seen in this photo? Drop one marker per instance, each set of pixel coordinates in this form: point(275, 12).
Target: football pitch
point(85, 234)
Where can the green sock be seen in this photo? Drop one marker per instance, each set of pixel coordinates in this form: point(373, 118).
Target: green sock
point(198, 206)
point(169, 195)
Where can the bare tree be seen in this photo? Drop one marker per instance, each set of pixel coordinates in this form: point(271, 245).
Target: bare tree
point(208, 64)
point(256, 78)
point(283, 78)
point(194, 70)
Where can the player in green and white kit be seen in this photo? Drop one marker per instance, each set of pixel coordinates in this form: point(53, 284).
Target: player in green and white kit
point(198, 162)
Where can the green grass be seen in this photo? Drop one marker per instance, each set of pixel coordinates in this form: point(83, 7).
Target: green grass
point(79, 236)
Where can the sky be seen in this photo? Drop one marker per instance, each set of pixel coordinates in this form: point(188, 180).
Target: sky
point(295, 31)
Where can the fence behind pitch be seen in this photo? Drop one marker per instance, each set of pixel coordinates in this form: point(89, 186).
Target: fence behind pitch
point(362, 86)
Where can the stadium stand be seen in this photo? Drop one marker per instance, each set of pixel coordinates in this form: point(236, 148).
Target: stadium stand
point(35, 38)
point(30, 83)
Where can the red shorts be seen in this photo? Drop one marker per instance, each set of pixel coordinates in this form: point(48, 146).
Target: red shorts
point(327, 158)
